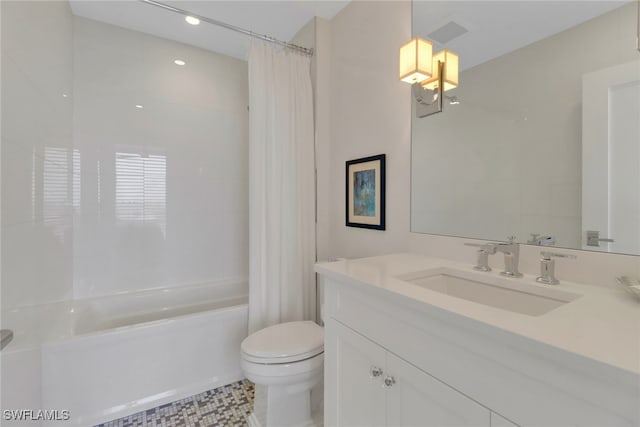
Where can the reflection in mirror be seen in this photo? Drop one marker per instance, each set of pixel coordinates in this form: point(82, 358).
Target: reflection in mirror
point(541, 138)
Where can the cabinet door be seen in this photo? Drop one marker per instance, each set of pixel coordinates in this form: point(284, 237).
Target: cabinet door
point(419, 400)
point(353, 397)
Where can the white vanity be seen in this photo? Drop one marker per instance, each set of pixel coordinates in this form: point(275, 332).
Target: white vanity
point(412, 340)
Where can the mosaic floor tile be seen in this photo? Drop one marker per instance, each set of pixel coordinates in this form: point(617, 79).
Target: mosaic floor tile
point(226, 406)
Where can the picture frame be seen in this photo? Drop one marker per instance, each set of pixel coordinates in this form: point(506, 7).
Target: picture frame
point(365, 192)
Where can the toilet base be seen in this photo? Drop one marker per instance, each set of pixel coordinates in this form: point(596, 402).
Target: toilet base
point(282, 406)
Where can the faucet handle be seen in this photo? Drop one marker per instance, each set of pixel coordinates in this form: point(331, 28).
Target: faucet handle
point(486, 249)
point(548, 267)
point(548, 255)
point(511, 239)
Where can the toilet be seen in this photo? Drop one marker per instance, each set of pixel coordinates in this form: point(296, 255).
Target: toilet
point(285, 362)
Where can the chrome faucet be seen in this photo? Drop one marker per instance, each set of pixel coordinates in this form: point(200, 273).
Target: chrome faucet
point(511, 251)
point(548, 267)
point(485, 249)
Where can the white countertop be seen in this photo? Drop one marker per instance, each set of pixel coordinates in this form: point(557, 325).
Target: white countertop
point(602, 324)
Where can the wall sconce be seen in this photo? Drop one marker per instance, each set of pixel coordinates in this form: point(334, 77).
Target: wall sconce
point(430, 74)
point(416, 61)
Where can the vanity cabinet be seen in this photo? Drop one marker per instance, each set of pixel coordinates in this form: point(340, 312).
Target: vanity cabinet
point(393, 361)
point(418, 399)
point(357, 368)
point(374, 387)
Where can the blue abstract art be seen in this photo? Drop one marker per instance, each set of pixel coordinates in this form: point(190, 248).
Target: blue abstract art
point(364, 193)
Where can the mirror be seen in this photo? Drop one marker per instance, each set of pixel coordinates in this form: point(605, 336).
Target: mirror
point(541, 139)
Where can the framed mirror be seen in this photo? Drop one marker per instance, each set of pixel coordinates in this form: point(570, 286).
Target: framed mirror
point(541, 138)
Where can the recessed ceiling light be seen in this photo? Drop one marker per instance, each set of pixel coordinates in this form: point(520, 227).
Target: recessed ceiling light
point(191, 20)
point(139, 106)
point(179, 62)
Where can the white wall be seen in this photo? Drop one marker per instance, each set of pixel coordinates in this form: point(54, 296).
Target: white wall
point(322, 97)
point(514, 168)
point(316, 34)
point(306, 37)
point(191, 136)
point(370, 114)
point(37, 238)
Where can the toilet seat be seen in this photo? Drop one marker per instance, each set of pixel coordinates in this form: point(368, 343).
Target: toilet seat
point(283, 373)
point(284, 343)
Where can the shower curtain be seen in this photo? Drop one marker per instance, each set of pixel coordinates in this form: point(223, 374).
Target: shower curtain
point(281, 187)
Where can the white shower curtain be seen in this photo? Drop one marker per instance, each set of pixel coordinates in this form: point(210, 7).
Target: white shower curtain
point(281, 187)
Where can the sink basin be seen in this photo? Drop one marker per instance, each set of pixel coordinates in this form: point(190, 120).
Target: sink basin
point(507, 294)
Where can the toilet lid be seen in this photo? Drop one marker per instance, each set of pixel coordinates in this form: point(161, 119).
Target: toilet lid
point(283, 343)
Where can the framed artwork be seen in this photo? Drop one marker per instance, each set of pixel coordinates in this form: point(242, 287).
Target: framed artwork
point(365, 187)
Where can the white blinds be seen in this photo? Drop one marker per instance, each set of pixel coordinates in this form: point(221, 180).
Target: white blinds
point(141, 188)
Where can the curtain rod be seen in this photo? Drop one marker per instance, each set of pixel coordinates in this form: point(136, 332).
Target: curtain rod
point(249, 33)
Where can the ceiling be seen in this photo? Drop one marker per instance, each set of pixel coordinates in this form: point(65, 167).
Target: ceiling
point(494, 27)
point(499, 27)
point(279, 19)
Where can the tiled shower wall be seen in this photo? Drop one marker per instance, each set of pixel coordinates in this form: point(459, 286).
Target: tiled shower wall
point(163, 197)
point(100, 196)
point(37, 146)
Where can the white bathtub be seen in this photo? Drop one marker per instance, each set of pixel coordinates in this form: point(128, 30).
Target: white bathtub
point(108, 357)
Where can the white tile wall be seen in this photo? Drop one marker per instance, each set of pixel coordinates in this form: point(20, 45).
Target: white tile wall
point(37, 238)
point(189, 225)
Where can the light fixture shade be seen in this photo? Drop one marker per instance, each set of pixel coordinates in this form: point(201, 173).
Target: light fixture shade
point(415, 61)
point(449, 71)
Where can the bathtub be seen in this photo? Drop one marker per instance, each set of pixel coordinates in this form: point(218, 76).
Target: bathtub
point(108, 357)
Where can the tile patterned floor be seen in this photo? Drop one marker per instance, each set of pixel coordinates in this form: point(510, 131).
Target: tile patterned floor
point(226, 406)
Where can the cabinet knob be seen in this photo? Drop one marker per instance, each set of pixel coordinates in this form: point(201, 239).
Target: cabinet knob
point(389, 381)
point(375, 372)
